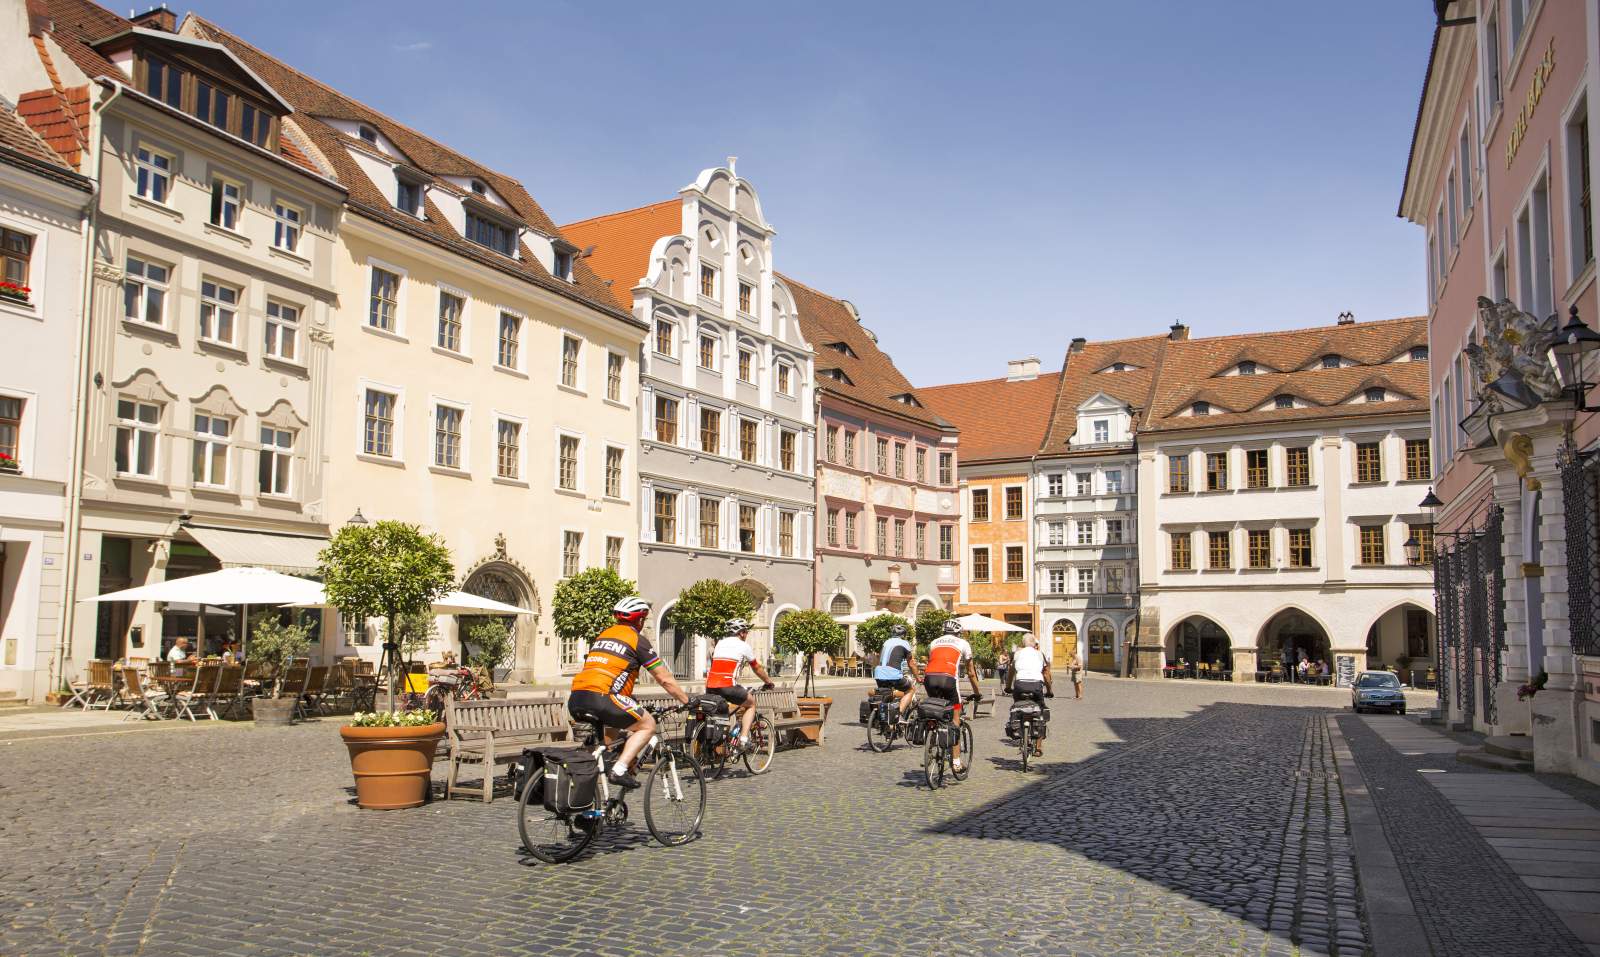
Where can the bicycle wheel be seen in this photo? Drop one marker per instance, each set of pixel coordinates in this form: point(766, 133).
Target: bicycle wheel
point(966, 753)
point(933, 759)
point(877, 734)
point(546, 836)
point(762, 745)
point(1027, 743)
point(675, 798)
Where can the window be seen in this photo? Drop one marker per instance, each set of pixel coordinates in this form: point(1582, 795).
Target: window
point(922, 464)
point(571, 350)
point(16, 252)
point(447, 436)
point(1580, 207)
point(152, 174)
point(1374, 395)
point(1451, 200)
point(1181, 558)
point(571, 553)
point(1518, 10)
point(613, 472)
point(849, 529)
point(211, 450)
point(1247, 368)
point(883, 536)
point(1054, 486)
point(282, 330)
point(850, 448)
point(666, 420)
point(1330, 362)
point(748, 441)
point(163, 81)
point(1102, 430)
point(408, 197)
point(1085, 483)
point(1013, 563)
point(947, 468)
point(899, 460)
point(747, 528)
point(567, 462)
point(378, 427)
point(367, 133)
point(786, 450)
point(980, 505)
point(254, 124)
point(1114, 482)
point(1424, 537)
point(833, 528)
point(947, 543)
point(1201, 408)
point(1491, 41)
point(666, 516)
point(1085, 581)
point(1014, 502)
point(508, 450)
point(1419, 460)
point(883, 456)
point(899, 538)
point(711, 431)
point(492, 235)
point(144, 292)
point(664, 338)
point(1299, 548)
point(1177, 473)
point(786, 534)
point(614, 377)
point(561, 265)
point(747, 361)
point(1372, 545)
point(708, 281)
point(1260, 547)
point(1216, 471)
point(11, 428)
point(1255, 468)
point(1219, 553)
point(1114, 580)
point(277, 458)
point(785, 380)
point(1533, 253)
point(478, 188)
point(450, 308)
point(708, 351)
point(1113, 531)
point(746, 295)
point(1464, 164)
point(219, 305)
point(1085, 533)
point(980, 564)
point(226, 199)
point(1369, 462)
point(385, 299)
point(138, 426)
point(614, 553)
point(510, 344)
point(1298, 473)
point(831, 446)
point(710, 522)
point(1283, 402)
point(1057, 578)
point(1056, 533)
point(921, 549)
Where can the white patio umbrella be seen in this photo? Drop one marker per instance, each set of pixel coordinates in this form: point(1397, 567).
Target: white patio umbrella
point(858, 617)
point(985, 623)
point(450, 603)
point(244, 586)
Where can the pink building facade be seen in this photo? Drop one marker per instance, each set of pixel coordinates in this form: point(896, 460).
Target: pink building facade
point(1499, 179)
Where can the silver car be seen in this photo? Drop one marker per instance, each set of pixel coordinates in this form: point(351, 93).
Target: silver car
point(1377, 691)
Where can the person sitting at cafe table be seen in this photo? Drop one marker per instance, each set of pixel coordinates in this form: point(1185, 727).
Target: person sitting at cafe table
point(230, 650)
point(180, 650)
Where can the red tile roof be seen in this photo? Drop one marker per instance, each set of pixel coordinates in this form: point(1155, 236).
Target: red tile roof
point(60, 119)
point(622, 243)
point(1000, 420)
point(1084, 375)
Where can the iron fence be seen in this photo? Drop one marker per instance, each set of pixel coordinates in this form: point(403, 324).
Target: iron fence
point(1469, 602)
point(1580, 486)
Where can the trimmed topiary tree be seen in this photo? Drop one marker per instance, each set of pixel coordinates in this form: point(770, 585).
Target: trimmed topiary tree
point(706, 607)
point(581, 606)
point(807, 632)
point(930, 625)
point(872, 633)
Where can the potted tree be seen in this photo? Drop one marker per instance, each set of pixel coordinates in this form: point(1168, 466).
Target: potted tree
point(275, 645)
point(492, 648)
point(705, 608)
point(581, 606)
point(805, 633)
point(395, 570)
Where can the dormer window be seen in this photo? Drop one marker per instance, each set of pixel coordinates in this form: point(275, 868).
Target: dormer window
point(408, 197)
point(1247, 368)
point(838, 375)
point(1331, 362)
point(906, 398)
point(254, 124)
point(1375, 395)
point(478, 189)
point(1102, 430)
point(163, 81)
point(490, 234)
point(1200, 408)
point(1419, 353)
point(211, 104)
point(1283, 402)
point(1119, 367)
point(367, 133)
point(563, 265)
point(843, 348)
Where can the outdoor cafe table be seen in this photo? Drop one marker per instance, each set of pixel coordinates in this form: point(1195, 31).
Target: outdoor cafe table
point(363, 692)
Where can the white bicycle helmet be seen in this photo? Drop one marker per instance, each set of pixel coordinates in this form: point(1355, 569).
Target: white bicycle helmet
point(736, 626)
point(952, 627)
point(631, 606)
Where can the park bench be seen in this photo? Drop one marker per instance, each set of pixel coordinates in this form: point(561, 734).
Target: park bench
point(495, 731)
point(787, 716)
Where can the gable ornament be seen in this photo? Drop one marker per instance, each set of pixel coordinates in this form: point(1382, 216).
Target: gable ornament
point(1512, 363)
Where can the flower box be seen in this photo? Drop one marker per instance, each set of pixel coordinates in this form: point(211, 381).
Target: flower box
point(11, 292)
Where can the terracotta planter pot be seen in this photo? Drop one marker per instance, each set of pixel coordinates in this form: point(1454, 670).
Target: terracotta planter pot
point(813, 708)
point(272, 711)
point(393, 766)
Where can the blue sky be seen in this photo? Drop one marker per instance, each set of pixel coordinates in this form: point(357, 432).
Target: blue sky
point(983, 180)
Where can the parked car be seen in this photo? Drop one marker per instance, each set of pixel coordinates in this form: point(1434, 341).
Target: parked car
point(1377, 691)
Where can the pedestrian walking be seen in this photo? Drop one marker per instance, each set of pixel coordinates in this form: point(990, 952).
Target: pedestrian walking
point(1002, 669)
point(1075, 672)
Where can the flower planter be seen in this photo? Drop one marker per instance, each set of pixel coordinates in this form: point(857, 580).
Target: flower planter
point(392, 766)
point(272, 711)
point(813, 708)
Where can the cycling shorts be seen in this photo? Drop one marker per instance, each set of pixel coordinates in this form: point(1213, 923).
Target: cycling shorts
point(614, 710)
point(942, 688)
point(735, 695)
point(1028, 691)
point(902, 683)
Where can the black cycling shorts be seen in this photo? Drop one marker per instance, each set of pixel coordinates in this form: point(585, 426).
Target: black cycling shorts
point(1028, 691)
point(942, 688)
point(614, 710)
point(902, 683)
point(735, 695)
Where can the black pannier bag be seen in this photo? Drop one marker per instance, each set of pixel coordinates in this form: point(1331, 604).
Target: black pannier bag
point(1021, 710)
point(916, 733)
point(528, 767)
point(570, 776)
point(713, 704)
point(940, 710)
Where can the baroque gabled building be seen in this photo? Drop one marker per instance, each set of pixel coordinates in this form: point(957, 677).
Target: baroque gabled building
point(726, 426)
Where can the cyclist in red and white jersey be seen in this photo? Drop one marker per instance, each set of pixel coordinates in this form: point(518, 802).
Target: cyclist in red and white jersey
point(949, 657)
point(730, 654)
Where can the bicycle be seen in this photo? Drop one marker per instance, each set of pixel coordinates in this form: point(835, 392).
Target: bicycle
point(710, 735)
point(885, 723)
point(938, 734)
point(1028, 718)
point(674, 798)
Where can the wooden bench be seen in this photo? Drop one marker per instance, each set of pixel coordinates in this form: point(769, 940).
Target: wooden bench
point(495, 731)
point(783, 709)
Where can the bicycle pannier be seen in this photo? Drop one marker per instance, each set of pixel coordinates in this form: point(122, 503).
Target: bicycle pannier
point(940, 710)
point(528, 767)
point(571, 777)
point(916, 732)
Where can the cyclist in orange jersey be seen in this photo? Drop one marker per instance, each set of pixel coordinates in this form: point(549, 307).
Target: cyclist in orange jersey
point(604, 688)
point(730, 654)
point(948, 657)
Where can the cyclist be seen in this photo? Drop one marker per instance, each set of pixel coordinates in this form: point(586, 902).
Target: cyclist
point(1031, 680)
point(730, 654)
point(949, 657)
point(604, 687)
point(897, 659)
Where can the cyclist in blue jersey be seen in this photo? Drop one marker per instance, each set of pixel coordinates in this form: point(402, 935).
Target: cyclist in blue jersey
point(897, 670)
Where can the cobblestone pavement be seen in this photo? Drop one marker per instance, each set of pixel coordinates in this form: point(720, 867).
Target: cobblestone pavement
point(1467, 898)
point(1167, 818)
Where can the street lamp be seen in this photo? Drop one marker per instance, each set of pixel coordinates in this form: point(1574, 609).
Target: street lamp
point(1575, 341)
point(357, 518)
point(1413, 550)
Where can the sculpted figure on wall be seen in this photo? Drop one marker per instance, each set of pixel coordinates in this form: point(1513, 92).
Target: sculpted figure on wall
point(1512, 363)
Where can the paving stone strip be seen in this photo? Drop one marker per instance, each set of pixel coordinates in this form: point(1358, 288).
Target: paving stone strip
point(1468, 901)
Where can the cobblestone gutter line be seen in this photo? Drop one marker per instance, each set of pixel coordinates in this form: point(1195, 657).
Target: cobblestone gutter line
point(1436, 887)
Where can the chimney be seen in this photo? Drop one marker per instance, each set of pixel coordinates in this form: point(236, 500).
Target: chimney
point(1179, 332)
point(1347, 318)
point(1077, 345)
point(157, 18)
point(1026, 370)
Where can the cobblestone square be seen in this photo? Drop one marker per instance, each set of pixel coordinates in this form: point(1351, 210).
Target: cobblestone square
point(1167, 818)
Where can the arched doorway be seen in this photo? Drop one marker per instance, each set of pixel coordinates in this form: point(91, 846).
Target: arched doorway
point(504, 582)
point(760, 632)
point(1292, 636)
point(1404, 638)
point(1063, 643)
point(841, 605)
point(1102, 641)
point(1199, 640)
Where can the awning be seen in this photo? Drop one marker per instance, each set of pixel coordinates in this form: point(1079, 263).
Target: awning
point(290, 554)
